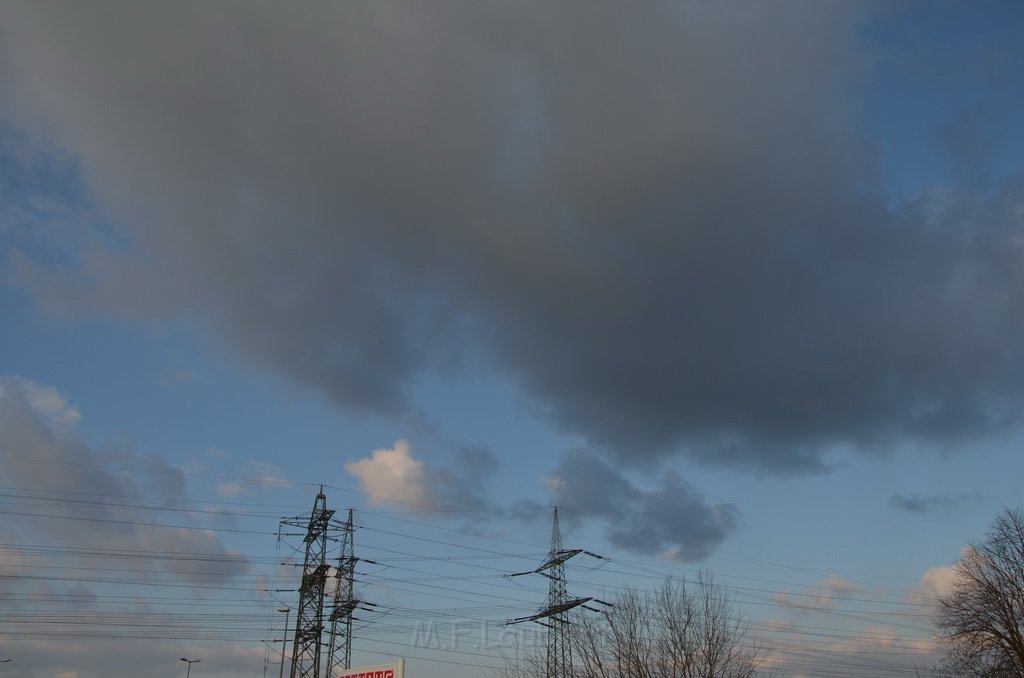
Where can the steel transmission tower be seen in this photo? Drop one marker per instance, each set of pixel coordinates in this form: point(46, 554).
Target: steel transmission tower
point(554, 614)
point(340, 654)
point(309, 621)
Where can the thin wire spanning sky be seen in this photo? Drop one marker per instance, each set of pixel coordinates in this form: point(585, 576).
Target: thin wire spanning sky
point(736, 285)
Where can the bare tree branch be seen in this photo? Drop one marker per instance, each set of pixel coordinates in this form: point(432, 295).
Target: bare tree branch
point(982, 618)
point(683, 630)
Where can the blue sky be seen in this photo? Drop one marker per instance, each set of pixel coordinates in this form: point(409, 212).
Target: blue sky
point(735, 285)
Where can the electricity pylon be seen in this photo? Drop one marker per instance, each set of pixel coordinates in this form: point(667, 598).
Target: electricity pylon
point(309, 622)
point(339, 656)
point(554, 613)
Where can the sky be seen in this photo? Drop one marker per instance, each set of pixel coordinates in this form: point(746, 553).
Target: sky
point(735, 285)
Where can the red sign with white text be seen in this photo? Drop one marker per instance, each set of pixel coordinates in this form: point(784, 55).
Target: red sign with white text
point(396, 670)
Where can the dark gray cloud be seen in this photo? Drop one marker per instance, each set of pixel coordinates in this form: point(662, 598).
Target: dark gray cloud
point(671, 519)
point(663, 218)
point(917, 503)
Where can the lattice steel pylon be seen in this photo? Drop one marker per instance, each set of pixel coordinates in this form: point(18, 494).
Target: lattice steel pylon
point(309, 622)
point(554, 614)
point(339, 656)
point(559, 644)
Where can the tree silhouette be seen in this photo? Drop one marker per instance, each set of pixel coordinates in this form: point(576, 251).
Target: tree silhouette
point(982, 618)
point(682, 630)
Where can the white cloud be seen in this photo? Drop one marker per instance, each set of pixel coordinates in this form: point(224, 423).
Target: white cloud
point(396, 475)
point(935, 583)
point(392, 475)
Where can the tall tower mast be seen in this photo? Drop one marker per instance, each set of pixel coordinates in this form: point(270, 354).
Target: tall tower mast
point(554, 614)
point(559, 662)
point(340, 654)
point(309, 616)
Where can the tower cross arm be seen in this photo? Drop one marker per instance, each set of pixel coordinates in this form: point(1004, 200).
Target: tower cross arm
point(551, 610)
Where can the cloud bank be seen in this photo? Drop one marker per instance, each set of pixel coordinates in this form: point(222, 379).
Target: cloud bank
point(663, 220)
point(101, 533)
point(77, 497)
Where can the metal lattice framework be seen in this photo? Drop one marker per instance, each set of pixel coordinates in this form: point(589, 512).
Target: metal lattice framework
point(554, 614)
point(340, 655)
point(309, 622)
point(559, 646)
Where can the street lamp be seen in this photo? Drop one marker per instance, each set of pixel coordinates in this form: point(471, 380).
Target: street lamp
point(4, 661)
point(284, 638)
point(190, 663)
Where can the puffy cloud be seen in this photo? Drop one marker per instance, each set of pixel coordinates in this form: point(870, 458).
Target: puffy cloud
point(392, 475)
point(395, 475)
point(675, 244)
point(935, 583)
point(671, 518)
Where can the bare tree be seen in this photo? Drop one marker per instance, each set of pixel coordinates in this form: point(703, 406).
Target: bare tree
point(982, 618)
point(683, 630)
point(522, 663)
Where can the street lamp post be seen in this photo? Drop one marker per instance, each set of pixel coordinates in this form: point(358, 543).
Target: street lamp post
point(284, 638)
point(190, 663)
